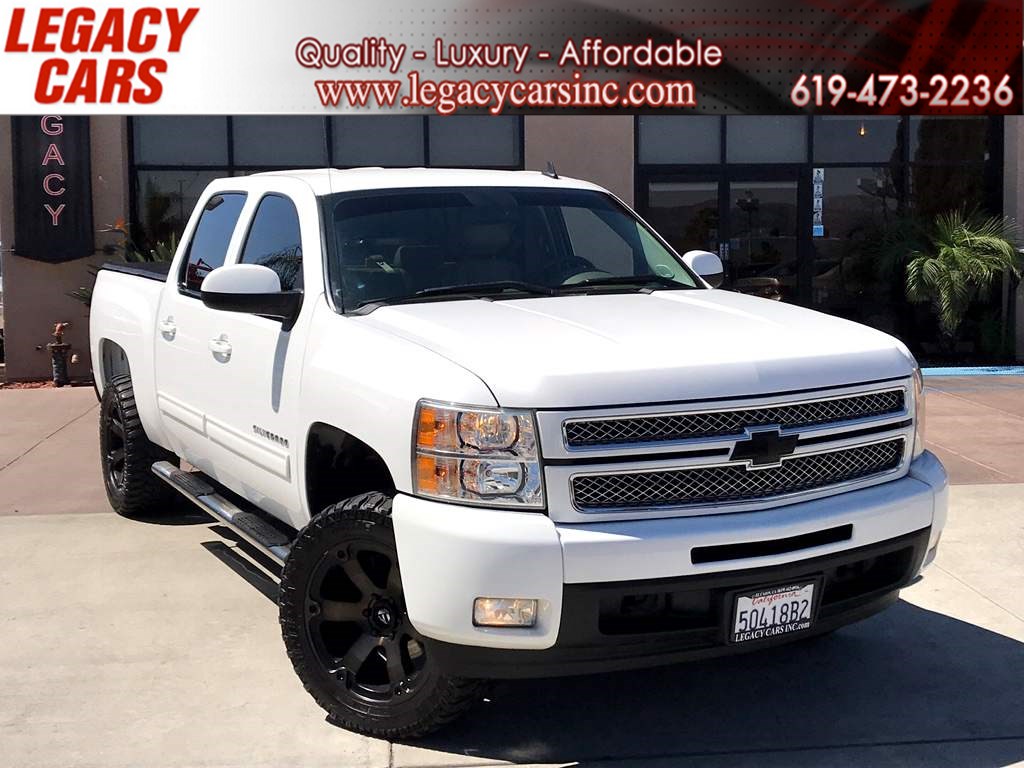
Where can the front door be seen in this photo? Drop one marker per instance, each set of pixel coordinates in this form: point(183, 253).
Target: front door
point(758, 220)
point(252, 413)
point(228, 382)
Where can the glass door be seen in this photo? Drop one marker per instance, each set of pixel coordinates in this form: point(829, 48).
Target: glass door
point(763, 252)
point(756, 218)
point(685, 212)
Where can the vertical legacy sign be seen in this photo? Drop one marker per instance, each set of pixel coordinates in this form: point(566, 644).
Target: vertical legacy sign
point(52, 188)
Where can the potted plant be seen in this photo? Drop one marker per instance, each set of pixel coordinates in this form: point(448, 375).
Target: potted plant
point(964, 254)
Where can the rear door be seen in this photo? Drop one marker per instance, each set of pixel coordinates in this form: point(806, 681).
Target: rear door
point(185, 361)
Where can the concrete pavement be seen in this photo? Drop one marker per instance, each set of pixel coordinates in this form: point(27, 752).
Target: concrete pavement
point(141, 644)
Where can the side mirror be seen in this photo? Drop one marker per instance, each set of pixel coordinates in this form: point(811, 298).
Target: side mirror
point(707, 265)
point(253, 289)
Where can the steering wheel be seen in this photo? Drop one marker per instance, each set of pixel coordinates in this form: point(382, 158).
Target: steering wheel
point(569, 268)
point(582, 277)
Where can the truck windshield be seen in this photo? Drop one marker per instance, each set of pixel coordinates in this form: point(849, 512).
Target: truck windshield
point(392, 246)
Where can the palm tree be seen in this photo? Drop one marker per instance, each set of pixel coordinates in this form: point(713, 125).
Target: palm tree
point(966, 252)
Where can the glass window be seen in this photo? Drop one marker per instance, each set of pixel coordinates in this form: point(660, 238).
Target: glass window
point(396, 245)
point(680, 139)
point(164, 201)
point(170, 140)
point(471, 140)
point(274, 240)
point(869, 139)
point(758, 139)
point(949, 139)
point(936, 189)
point(853, 276)
point(685, 213)
point(762, 256)
point(210, 241)
point(282, 140)
point(592, 239)
point(388, 140)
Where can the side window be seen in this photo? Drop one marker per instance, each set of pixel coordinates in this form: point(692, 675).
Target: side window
point(592, 239)
point(274, 241)
point(210, 241)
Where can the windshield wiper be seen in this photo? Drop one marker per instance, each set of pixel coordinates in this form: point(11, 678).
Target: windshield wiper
point(468, 290)
point(487, 289)
point(640, 281)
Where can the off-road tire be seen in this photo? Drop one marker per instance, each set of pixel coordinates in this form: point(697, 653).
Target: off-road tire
point(132, 488)
point(434, 701)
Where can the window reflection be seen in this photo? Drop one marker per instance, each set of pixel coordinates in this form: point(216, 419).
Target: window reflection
point(164, 200)
point(762, 257)
point(685, 214)
point(852, 277)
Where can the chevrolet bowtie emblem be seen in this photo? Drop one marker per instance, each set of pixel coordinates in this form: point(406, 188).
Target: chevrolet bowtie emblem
point(765, 448)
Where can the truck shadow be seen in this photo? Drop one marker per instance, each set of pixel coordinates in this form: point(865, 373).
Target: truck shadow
point(909, 681)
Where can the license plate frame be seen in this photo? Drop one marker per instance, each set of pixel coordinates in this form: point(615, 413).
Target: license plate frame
point(732, 605)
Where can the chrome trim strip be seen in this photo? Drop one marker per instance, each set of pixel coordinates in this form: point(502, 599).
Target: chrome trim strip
point(553, 442)
point(802, 429)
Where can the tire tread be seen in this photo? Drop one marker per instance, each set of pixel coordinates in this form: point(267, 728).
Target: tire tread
point(144, 493)
point(455, 696)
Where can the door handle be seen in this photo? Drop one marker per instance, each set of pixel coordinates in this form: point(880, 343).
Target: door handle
point(221, 348)
point(168, 329)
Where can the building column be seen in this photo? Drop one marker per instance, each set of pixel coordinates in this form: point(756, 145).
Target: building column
point(36, 293)
point(597, 148)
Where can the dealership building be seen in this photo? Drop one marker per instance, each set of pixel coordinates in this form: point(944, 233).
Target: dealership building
point(801, 209)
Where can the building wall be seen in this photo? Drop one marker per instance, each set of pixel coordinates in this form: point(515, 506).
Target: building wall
point(598, 148)
point(36, 294)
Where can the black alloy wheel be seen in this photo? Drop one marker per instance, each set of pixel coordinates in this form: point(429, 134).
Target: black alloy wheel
point(347, 631)
point(127, 456)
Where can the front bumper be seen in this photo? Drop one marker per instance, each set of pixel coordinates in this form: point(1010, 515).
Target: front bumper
point(632, 624)
point(452, 554)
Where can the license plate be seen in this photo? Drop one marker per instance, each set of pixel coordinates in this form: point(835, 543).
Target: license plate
point(766, 613)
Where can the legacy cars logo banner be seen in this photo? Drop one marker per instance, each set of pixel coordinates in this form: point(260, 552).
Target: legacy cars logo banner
point(740, 56)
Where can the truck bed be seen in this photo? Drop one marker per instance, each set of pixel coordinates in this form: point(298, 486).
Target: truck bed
point(151, 270)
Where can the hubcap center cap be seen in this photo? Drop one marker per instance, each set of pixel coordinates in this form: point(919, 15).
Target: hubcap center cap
point(383, 616)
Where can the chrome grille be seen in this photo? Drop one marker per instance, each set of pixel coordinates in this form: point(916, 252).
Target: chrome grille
point(683, 426)
point(734, 482)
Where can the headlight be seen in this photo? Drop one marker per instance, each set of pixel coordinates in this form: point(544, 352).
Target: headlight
point(918, 412)
point(477, 455)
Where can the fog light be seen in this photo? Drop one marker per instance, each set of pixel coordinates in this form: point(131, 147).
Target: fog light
point(504, 612)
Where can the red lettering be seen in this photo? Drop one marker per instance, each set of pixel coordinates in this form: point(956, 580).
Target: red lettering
point(45, 93)
point(14, 44)
point(46, 26)
point(48, 184)
point(110, 33)
point(119, 78)
point(76, 33)
point(52, 125)
point(137, 41)
point(148, 71)
point(178, 26)
point(52, 153)
point(83, 83)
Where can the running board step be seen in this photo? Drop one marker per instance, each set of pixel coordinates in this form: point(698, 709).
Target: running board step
point(250, 525)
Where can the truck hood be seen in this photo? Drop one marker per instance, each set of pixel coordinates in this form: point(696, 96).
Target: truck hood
point(664, 346)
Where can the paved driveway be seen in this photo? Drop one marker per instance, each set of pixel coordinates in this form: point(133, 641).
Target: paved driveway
point(143, 644)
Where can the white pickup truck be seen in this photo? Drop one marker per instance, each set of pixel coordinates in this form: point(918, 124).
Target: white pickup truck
point(493, 426)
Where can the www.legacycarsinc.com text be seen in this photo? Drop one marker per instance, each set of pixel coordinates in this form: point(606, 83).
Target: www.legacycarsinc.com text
point(446, 96)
